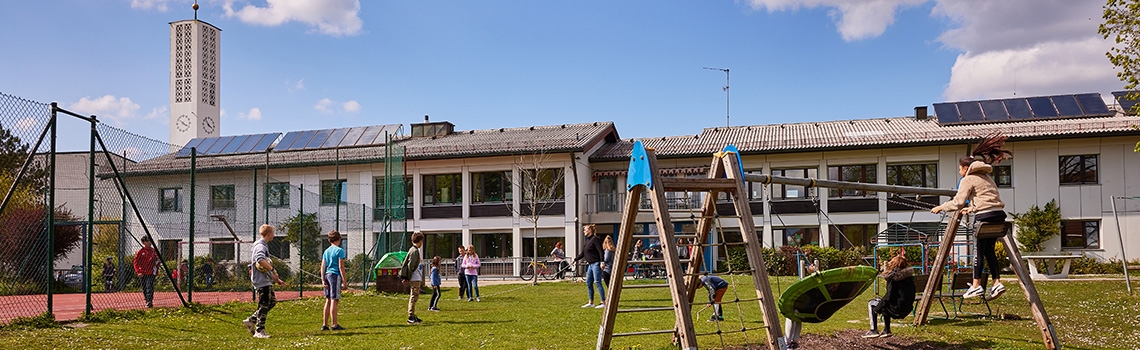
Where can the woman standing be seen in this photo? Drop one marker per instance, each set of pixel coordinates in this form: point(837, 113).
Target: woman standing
point(471, 269)
point(592, 252)
point(607, 259)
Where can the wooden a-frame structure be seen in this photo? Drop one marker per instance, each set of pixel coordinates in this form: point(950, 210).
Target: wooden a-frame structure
point(725, 175)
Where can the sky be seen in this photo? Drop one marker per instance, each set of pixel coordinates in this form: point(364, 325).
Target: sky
point(315, 64)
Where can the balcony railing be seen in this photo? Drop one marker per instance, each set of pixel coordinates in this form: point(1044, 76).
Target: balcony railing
point(614, 202)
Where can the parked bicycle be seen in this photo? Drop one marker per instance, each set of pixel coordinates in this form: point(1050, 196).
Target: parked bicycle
point(540, 268)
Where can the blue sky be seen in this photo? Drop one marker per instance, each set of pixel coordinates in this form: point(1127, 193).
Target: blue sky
point(313, 64)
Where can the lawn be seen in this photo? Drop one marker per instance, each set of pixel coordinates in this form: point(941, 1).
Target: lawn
point(1086, 314)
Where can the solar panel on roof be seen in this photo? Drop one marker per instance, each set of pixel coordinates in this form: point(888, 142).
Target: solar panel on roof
point(970, 112)
point(265, 142)
point(1125, 103)
point(185, 151)
point(206, 144)
point(249, 143)
point(1067, 106)
point(994, 110)
point(219, 146)
point(947, 113)
point(334, 138)
point(318, 139)
point(1018, 108)
point(1093, 105)
point(288, 140)
point(234, 144)
point(351, 137)
point(302, 141)
point(1042, 107)
point(369, 135)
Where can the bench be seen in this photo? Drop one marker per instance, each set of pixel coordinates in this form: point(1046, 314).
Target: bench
point(920, 287)
point(959, 283)
point(1051, 265)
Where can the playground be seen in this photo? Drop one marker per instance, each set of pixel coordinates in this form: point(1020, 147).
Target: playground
point(1088, 314)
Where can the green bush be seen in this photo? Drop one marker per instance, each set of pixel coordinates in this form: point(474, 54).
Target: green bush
point(1037, 225)
point(44, 320)
point(109, 315)
point(1090, 266)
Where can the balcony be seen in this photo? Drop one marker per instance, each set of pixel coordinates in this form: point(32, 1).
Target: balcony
point(615, 202)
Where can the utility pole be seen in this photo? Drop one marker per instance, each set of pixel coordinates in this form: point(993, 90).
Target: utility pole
point(727, 120)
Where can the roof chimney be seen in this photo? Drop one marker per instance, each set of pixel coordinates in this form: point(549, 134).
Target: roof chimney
point(426, 119)
point(920, 112)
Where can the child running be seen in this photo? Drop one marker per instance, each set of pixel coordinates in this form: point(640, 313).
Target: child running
point(332, 263)
point(435, 282)
point(262, 275)
point(979, 189)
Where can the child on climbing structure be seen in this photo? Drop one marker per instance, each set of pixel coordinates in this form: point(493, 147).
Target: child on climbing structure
point(716, 287)
point(979, 189)
point(898, 300)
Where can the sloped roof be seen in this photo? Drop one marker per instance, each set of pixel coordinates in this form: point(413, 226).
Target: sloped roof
point(862, 134)
point(503, 141)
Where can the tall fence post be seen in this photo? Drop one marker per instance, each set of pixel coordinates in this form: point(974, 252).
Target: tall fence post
point(363, 239)
point(193, 188)
point(51, 210)
point(89, 265)
point(301, 247)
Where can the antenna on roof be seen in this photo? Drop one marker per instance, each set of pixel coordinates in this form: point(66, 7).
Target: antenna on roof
point(195, 7)
point(727, 121)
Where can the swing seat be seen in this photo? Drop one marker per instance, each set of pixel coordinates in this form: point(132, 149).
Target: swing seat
point(984, 230)
point(817, 297)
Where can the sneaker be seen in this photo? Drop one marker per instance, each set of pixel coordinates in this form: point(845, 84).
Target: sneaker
point(261, 335)
point(478, 300)
point(417, 320)
point(871, 334)
point(885, 334)
point(600, 306)
point(588, 305)
point(411, 320)
point(974, 292)
point(793, 345)
point(250, 325)
point(714, 319)
point(337, 328)
point(324, 328)
point(469, 300)
point(996, 291)
point(433, 309)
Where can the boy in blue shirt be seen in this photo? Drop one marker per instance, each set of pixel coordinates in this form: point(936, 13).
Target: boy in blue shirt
point(331, 263)
point(716, 287)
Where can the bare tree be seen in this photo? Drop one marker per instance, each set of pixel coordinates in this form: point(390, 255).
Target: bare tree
point(542, 187)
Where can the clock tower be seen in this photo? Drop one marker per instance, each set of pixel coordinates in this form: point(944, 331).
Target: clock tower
point(195, 105)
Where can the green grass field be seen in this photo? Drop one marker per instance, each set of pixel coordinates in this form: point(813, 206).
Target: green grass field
point(1087, 315)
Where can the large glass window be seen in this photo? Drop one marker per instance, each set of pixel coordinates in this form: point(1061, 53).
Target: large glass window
point(222, 197)
point(443, 189)
point(915, 175)
point(544, 184)
point(380, 190)
point(169, 248)
point(492, 245)
point(171, 199)
point(278, 248)
point(222, 249)
point(1080, 169)
point(1083, 234)
point(545, 245)
point(847, 236)
point(334, 192)
point(1003, 175)
point(441, 244)
point(277, 194)
point(798, 236)
point(782, 191)
point(491, 187)
point(865, 173)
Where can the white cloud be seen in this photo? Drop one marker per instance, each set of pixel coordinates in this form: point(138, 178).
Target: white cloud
point(118, 110)
point(157, 112)
point(1027, 47)
point(254, 114)
point(295, 85)
point(351, 106)
point(329, 17)
point(26, 124)
point(324, 106)
point(854, 19)
point(159, 5)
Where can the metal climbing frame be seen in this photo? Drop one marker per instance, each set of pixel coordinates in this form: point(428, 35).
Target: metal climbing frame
point(724, 175)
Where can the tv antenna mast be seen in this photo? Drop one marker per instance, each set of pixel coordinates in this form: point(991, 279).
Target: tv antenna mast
point(727, 120)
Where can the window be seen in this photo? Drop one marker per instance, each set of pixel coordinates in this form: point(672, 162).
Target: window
point(222, 197)
point(442, 244)
point(277, 195)
point(548, 184)
point(343, 244)
point(443, 189)
point(380, 189)
point(492, 245)
point(222, 249)
point(545, 245)
point(492, 187)
point(1003, 175)
point(278, 248)
point(799, 236)
point(782, 191)
point(865, 173)
point(169, 249)
point(171, 199)
point(1081, 234)
point(848, 236)
point(915, 175)
point(1078, 169)
point(333, 192)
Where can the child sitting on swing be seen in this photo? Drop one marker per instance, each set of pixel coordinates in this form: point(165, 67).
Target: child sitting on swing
point(898, 300)
point(979, 189)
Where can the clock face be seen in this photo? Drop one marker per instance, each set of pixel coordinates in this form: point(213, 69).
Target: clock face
point(183, 123)
point(208, 125)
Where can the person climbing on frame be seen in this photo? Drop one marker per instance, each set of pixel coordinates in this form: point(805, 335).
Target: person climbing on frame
point(716, 287)
point(898, 300)
point(979, 190)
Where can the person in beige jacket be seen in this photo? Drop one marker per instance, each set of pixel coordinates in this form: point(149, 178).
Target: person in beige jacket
point(977, 193)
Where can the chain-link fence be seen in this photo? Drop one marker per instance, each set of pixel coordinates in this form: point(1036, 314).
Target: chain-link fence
point(201, 211)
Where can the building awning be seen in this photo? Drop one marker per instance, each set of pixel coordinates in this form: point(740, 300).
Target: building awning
point(682, 171)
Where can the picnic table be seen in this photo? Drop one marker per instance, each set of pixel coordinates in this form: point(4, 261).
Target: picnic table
point(1051, 265)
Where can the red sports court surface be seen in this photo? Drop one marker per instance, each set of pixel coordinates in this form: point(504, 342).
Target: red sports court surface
point(68, 307)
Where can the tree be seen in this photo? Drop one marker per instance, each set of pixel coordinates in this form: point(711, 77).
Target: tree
point(1037, 225)
point(310, 232)
point(23, 237)
point(1122, 24)
point(13, 153)
point(541, 188)
point(106, 240)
